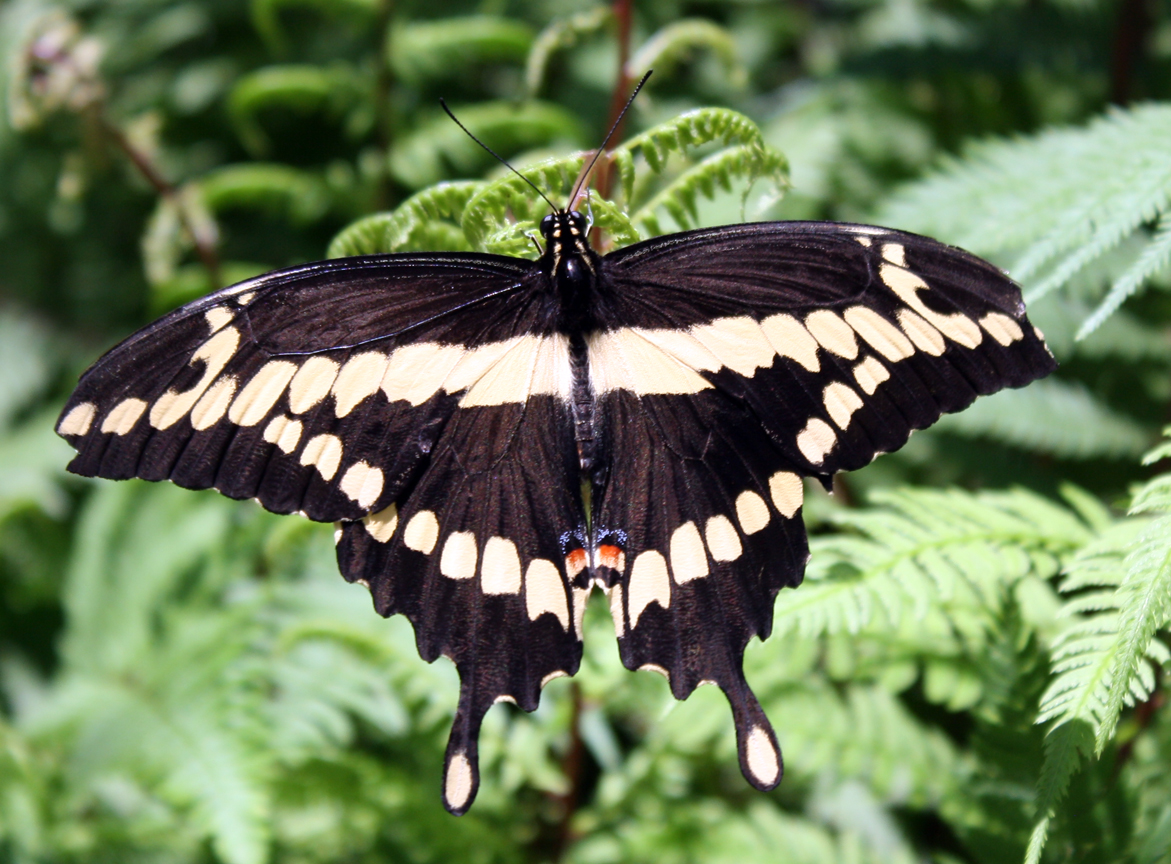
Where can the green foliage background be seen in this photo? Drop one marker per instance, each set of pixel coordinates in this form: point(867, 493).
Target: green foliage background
point(973, 670)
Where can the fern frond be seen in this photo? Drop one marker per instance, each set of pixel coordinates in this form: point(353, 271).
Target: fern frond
point(691, 129)
point(301, 87)
point(1061, 199)
point(560, 35)
point(268, 187)
point(1065, 748)
point(1051, 416)
point(679, 40)
point(1122, 335)
point(427, 221)
point(420, 50)
point(1153, 260)
point(680, 198)
point(266, 15)
point(923, 548)
point(422, 158)
point(510, 196)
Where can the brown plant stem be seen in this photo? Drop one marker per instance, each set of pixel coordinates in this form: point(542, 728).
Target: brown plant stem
point(623, 21)
point(1131, 29)
point(204, 245)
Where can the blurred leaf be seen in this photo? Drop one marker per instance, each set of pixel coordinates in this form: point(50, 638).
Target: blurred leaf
point(437, 49)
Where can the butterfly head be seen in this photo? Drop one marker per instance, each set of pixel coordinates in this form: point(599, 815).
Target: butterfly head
point(570, 265)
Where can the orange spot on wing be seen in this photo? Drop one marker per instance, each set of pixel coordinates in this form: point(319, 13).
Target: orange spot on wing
point(612, 557)
point(575, 562)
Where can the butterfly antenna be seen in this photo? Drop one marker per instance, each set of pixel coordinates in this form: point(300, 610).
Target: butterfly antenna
point(597, 154)
point(500, 158)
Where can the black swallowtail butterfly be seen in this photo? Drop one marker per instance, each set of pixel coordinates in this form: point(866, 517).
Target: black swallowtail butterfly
point(447, 411)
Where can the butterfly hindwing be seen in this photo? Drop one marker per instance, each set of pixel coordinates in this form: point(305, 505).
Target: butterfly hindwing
point(477, 558)
point(706, 513)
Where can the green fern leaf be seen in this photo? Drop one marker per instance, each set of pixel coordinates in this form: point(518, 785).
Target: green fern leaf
point(1153, 260)
point(430, 49)
point(422, 158)
point(680, 197)
point(560, 35)
point(1051, 416)
point(510, 197)
point(274, 188)
point(427, 221)
point(679, 40)
point(266, 15)
point(924, 548)
point(1061, 199)
point(302, 88)
point(692, 129)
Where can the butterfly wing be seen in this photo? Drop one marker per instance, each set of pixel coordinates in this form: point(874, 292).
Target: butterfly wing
point(735, 361)
point(418, 401)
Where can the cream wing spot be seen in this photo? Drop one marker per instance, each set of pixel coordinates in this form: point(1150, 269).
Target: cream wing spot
point(616, 613)
point(123, 416)
point(358, 378)
point(869, 374)
point(422, 532)
point(751, 512)
point(1002, 328)
point(630, 359)
point(657, 669)
point(816, 440)
point(246, 298)
point(78, 420)
point(722, 540)
point(895, 253)
point(738, 343)
point(879, 333)
point(789, 338)
point(417, 372)
point(762, 757)
point(840, 403)
point(324, 452)
point(284, 432)
point(261, 393)
point(213, 404)
point(215, 353)
point(500, 570)
point(545, 592)
point(865, 241)
point(457, 784)
point(832, 333)
point(688, 558)
point(312, 383)
point(218, 317)
point(381, 525)
point(458, 560)
point(787, 492)
point(958, 327)
point(362, 483)
point(581, 599)
point(648, 584)
point(925, 337)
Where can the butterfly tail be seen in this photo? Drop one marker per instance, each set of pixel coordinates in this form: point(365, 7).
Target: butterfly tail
point(760, 755)
point(461, 763)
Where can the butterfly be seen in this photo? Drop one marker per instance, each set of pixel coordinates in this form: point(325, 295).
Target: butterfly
point(495, 437)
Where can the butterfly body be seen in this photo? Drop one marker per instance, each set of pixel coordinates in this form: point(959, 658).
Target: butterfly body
point(447, 410)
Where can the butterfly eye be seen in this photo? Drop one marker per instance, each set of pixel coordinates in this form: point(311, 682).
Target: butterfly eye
point(547, 223)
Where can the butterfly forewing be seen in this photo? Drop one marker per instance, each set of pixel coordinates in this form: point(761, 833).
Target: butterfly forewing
point(841, 339)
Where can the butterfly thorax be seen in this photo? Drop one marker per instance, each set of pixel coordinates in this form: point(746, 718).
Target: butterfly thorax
point(572, 268)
